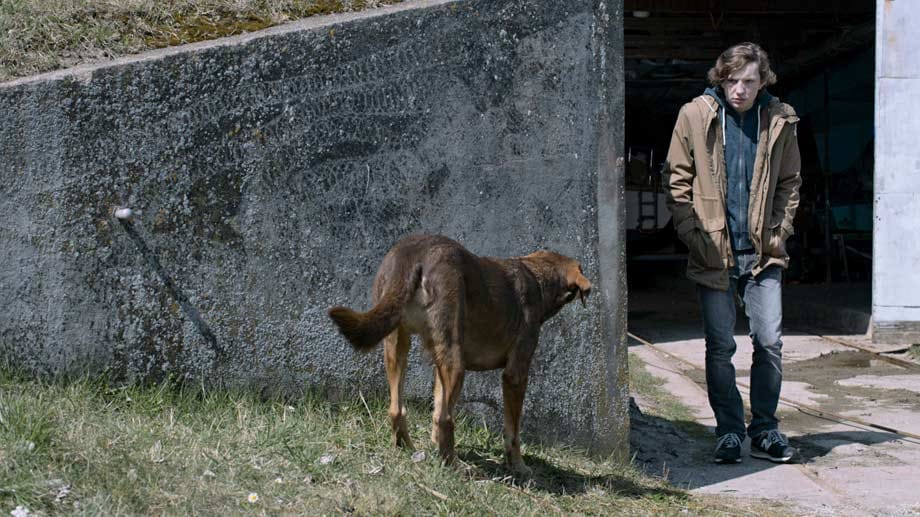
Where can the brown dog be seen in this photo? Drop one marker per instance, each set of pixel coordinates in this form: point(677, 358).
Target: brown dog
point(472, 313)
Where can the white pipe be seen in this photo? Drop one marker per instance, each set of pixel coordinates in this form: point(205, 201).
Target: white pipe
point(123, 213)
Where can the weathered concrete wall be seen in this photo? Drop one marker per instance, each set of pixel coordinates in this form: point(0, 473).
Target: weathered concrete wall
point(273, 171)
point(896, 248)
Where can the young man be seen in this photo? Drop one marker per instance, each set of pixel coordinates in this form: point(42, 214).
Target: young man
point(733, 168)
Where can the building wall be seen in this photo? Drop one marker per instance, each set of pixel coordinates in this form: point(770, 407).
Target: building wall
point(896, 254)
point(270, 173)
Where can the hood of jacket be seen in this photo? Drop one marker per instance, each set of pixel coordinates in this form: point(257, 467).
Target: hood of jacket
point(764, 98)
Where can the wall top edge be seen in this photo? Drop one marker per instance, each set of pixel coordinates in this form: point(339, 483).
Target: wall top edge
point(84, 72)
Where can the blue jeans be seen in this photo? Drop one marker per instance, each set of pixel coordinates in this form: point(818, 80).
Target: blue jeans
point(762, 299)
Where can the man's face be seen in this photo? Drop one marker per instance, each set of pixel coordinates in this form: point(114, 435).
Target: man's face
point(742, 86)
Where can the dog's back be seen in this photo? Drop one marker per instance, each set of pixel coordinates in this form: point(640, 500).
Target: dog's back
point(427, 283)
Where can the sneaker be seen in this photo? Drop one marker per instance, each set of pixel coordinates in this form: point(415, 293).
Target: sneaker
point(728, 449)
point(772, 445)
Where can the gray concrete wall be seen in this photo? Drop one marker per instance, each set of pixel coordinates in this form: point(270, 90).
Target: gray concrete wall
point(271, 173)
point(896, 253)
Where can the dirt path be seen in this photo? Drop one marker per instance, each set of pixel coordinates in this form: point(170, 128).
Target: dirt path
point(838, 404)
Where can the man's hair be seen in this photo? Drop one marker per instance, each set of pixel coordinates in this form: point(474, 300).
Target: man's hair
point(737, 57)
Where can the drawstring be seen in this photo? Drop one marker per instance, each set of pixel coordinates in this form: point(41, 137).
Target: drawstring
point(756, 133)
point(711, 106)
point(722, 116)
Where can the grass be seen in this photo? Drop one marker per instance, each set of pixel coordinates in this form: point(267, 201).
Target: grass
point(89, 447)
point(914, 353)
point(42, 35)
point(659, 402)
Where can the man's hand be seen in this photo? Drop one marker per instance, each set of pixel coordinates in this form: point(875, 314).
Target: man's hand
point(777, 245)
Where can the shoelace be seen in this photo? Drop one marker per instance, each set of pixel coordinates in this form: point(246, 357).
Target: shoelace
point(771, 437)
point(728, 440)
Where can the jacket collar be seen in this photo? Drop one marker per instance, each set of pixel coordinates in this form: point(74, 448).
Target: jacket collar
point(775, 110)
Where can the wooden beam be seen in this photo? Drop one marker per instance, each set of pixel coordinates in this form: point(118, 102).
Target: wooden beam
point(707, 55)
point(766, 7)
point(703, 23)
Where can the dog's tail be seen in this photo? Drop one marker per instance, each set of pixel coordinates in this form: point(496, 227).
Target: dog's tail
point(364, 330)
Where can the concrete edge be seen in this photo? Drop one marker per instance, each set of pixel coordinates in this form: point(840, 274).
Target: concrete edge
point(896, 332)
point(83, 73)
point(611, 247)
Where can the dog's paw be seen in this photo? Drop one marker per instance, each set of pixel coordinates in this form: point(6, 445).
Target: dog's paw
point(402, 441)
point(521, 470)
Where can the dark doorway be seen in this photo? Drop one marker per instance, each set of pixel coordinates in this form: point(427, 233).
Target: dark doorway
point(823, 53)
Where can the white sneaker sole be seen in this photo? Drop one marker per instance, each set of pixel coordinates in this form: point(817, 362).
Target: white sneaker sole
point(765, 456)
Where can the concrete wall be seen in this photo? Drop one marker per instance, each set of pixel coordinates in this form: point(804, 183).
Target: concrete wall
point(272, 172)
point(896, 254)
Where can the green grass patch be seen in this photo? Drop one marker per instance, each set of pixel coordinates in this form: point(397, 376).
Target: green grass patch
point(86, 446)
point(914, 353)
point(42, 35)
point(662, 403)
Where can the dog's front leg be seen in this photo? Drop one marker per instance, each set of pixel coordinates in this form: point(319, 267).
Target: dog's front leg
point(514, 387)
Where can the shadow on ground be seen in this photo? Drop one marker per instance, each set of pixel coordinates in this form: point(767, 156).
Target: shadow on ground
point(681, 451)
point(556, 480)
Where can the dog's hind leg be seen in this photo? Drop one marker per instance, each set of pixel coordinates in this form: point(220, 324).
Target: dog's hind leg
point(448, 383)
point(438, 403)
point(441, 404)
point(396, 353)
point(444, 311)
point(449, 373)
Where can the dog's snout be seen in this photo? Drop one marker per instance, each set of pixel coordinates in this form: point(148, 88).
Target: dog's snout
point(583, 285)
point(582, 294)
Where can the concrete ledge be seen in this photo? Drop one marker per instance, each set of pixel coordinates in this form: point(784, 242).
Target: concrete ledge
point(896, 332)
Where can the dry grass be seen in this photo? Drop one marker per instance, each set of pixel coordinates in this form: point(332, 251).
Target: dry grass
point(42, 35)
point(89, 447)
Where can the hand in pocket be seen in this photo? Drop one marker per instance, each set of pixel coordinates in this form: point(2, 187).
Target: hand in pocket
point(777, 245)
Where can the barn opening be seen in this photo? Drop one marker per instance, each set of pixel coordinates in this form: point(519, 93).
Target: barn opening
point(824, 56)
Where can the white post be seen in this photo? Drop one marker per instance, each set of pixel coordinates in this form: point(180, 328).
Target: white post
point(896, 238)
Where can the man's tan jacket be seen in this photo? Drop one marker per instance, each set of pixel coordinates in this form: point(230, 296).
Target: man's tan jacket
point(697, 185)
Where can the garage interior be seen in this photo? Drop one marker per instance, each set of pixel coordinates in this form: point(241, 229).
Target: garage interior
point(824, 56)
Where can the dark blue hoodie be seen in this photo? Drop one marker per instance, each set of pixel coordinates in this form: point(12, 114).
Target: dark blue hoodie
point(740, 131)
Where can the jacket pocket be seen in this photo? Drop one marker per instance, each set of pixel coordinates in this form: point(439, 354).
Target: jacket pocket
point(774, 244)
point(706, 242)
